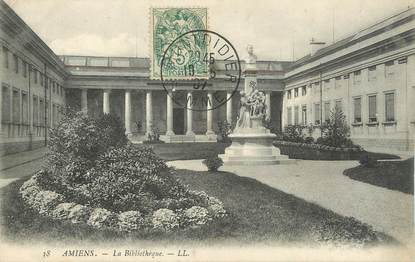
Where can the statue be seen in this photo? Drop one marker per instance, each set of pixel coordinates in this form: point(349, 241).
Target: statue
point(250, 61)
point(252, 106)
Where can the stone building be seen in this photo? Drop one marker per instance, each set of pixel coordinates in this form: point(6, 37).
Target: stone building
point(369, 75)
point(376, 62)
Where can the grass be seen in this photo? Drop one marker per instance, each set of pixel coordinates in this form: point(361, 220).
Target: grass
point(397, 175)
point(187, 151)
point(258, 213)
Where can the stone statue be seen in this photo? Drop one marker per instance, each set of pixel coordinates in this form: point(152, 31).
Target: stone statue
point(250, 61)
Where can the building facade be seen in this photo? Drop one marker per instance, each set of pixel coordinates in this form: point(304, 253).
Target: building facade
point(370, 75)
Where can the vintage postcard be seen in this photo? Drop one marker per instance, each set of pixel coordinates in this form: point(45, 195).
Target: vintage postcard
point(207, 130)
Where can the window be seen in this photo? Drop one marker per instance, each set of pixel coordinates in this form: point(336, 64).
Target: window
point(389, 69)
point(296, 122)
point(317, 114)
point(289, 116)
point(304, 91)
point(5, 105)
point(289, 94)
point(338, 105)
point(357, 76)
point(16, 64)
point(16, 106)
point(296, 92)
point(53, 87)
point(5, 57)
point(372, 109)
point(327, 111)
point(41, 113)
point(390, 107)
point(25, 107)
point(35, 75)
point(24, 69)
point(304, 115)
point(41, 79)
point(357, 105)
point(35, 111)
point(338, 82)
point(372, 73)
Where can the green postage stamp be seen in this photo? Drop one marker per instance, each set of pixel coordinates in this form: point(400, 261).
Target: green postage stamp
point(183, 53)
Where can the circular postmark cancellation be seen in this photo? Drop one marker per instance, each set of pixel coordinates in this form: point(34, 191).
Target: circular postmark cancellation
point(197, 58)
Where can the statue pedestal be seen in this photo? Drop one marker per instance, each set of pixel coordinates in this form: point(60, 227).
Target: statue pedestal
point(253, 146)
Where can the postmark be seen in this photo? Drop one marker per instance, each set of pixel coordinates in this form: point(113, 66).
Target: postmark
point(183, 59)
point(166, 25)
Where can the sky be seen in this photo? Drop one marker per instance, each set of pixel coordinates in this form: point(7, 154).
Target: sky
point(278, 30)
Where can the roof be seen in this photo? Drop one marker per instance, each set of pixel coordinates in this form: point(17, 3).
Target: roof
point(365, 33)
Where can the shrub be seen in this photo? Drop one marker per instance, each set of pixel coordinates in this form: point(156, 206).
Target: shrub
point(62, 210)
point(101, 218)
point(197, 215)
point(213, 163)
point(225, 129)
point(113, 130)
point(154, 135)
point(217, 210)
point(293, 133)
point(131, 178)
point(130, 221)
point(336, 132)
point(367, 161)
point(309, 140)
point(165, 219)
point(45, 201)
point(79, 214)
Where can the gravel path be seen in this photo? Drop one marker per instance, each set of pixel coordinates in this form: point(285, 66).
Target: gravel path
point(323, 183)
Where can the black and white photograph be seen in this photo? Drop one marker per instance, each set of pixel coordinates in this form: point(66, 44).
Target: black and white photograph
point(192, 130)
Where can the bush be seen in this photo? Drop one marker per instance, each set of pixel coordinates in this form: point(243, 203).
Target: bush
point(367, 161)
point(213, 163)
point(130, 221)
point(165, 219)
point(132, 178)
point(336, 132)
point(113, 130)
point(101, 218)
point(309, 140)
point(197, 215)
point(225, 130)
point(293, 133)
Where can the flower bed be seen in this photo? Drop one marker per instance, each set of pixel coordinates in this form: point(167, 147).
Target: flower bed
point(313, 151)
point(53, 205)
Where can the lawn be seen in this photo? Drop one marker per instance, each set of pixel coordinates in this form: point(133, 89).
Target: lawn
point(395, 175)
point(182, 151)
point(258, 213)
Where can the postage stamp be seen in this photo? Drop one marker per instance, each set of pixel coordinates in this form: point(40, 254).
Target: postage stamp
point(167, 24)
point(218, 56)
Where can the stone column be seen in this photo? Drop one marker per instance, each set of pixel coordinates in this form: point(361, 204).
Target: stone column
point(149, 112)
point(268, 105)
point(169, 105)
point(229, 107)
point(106, 101)
point(84, 100)
point(209, 120)
point(127, 113)
point(189, 99)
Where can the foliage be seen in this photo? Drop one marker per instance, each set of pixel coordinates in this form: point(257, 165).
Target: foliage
point(197, 215)
point(213, 163)
point(112, 130)
point(131, 178)
point(139, 125)
point(309, 140)
point(293, 133)
point(165, 219)
point(225, 129)
point(336, 132)
point(130, 221)
point(101, 218)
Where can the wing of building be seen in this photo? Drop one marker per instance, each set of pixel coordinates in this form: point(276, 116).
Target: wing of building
point(370, 75)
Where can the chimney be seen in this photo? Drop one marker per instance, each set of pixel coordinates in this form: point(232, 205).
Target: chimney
point(316, 45)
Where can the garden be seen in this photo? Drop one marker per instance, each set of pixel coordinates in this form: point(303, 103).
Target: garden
point(96, 186)
point(297, 141)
